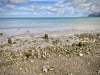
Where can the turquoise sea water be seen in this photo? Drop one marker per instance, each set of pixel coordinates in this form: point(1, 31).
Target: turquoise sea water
point(16, 26)
point(48, 22)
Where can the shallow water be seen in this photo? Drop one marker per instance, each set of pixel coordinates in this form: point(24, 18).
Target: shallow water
point(39, 25)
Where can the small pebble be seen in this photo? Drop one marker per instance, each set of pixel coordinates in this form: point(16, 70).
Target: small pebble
point(80, 54)
point(45, 69)
point(98, 71)
point(51, 69)
point(87, 52)
point(31, 60)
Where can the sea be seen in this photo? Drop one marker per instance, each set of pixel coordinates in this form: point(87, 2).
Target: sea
point(43, 24)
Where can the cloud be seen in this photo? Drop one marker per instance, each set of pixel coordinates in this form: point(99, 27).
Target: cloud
point(13, 7)
point(9, 6)
point(30, 10)
point(18, 1)
point(21, 8)
point(95, 9)
point(1, 9)
point(84, 6)
point(57, 8)
point(58, 1)
point(75, 1)
point(52, 8)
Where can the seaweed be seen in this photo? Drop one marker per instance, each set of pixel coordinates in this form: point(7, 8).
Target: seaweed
point(9, 41)
point(46, 37)
point(80, 44)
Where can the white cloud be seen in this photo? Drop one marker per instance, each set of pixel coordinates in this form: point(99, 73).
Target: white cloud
point(84, 6)
point(9, 6)
point(31, 10)
point(76, 1)
point(59, 5)
point(35, 13)
point(13, 7)
point(1, 9)
point(95, 9)
point(52, 8)
point(21, 8)
point(58, 1)
point(18, 1)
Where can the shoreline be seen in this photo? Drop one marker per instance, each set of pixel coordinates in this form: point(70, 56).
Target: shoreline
point(50, 30)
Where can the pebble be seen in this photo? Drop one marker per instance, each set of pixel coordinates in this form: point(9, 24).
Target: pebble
point(80, 54)
point(24, 69)
point(87, 52)
point(31, 60)
point(51, 69)
point(98, 71)
point(45, 69)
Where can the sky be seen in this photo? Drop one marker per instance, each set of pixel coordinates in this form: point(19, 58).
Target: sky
point(48, 8)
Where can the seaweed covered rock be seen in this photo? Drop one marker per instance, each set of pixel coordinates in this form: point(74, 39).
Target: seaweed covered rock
point(9, 41)
point(46, 37)
point(80, 44)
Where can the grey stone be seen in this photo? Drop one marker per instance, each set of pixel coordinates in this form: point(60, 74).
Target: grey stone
point(99, 71)
point(45, 69)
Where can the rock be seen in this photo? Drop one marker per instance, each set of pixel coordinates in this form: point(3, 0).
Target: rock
point(9, 41)
point(46, 37)
point(51, 69)
point(98, 71)
point(45, 69)
point(80, 54)
point(1, 34)
point(80, 44)
point(31, 60)
point(87, 52)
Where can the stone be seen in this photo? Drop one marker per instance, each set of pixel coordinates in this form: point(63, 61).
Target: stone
point(99, 71)
point(31, 60)
point(9, 41)
point(46, 37)
point(51, 69)
point(87, 52)
point(45, 69)
point(80, 54)
point(1, 34)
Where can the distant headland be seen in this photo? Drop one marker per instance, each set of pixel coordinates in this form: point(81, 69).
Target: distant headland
point(94, 15)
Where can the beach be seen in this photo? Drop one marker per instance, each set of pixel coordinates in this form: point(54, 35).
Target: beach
point(58, 52)
point(49, 37)
point(50, 46)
